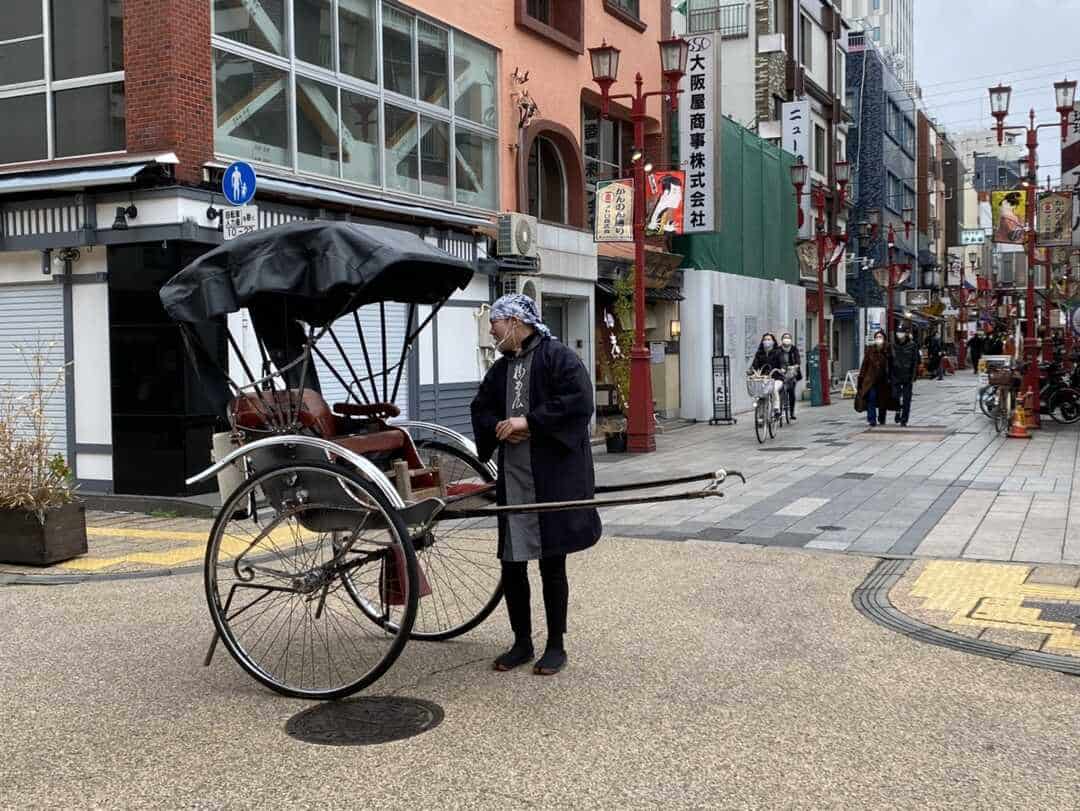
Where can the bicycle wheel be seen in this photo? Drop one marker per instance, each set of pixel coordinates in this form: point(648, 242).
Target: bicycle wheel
point(1065, 406)
point(275, 581)
point(1002, 411)
point(759, 420)
point(770, 418)
point(988, 397)
point(457, 558)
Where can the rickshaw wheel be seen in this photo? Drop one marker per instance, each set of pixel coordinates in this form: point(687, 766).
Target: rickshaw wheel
point(457, 559)
point(276, 581)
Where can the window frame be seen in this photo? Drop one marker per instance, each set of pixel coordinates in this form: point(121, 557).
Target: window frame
point(625, 15)
point(536, 144)
point(806, 42)
point(49, 87)
point(574, 43)
point(345, 82)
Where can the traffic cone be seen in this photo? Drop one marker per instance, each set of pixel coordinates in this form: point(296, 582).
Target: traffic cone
point(1018, 428)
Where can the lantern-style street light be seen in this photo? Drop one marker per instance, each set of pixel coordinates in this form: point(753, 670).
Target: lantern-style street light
point(1064, 99)
point(604, 60)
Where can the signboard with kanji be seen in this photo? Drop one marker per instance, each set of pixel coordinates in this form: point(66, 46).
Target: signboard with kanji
point(795, 138)
point(614, 211)
point(1053, 221)
point(699, 134)
point(1070, 150)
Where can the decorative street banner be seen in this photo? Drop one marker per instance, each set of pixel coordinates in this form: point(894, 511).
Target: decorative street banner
point(664, 202)
point(795, 138)
point(614, 211)
point(953, 275)
point(1070, 150)
point(1076, 221)
point(1008, 209)
point(699, 136)
point(1053, 222)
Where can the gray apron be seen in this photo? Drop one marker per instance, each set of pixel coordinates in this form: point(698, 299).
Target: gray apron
point(522, 539)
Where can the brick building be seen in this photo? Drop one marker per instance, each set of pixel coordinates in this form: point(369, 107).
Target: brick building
point(122, 115)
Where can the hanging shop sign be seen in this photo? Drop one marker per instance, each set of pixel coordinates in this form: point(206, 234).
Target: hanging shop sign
point(1053, 221)
point(699, 136)
point(795, 138)
point(614, 211)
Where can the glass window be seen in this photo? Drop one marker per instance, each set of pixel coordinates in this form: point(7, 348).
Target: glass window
point(260, 25)
point(547, 182)
point(819, 150)
point(397, 51)
point(89, 120)
point(356, 30)
point(360, 137)
point(21, 18)
point(316, 127)
point(626, 5)
point(313, 23)
point(433, 45)
point(476, 170)
point(806, 51)
point(474, 80)
point(434, 158)
point(251, 109)
point(402, 169)
point(22, 61)
point(87, 37)
point(22, 138)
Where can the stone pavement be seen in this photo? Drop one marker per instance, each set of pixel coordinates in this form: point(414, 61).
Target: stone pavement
point(948, 486)
point(701, 675)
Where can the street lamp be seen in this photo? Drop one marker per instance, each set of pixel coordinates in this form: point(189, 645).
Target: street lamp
point(825, 243)
point(604, 61)
point(1064, 97)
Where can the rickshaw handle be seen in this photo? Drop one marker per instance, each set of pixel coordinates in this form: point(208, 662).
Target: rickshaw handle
point(452, 435)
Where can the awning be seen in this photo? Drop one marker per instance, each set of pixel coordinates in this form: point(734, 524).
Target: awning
point(651, 293)
point(72, 179)
point(304, 191)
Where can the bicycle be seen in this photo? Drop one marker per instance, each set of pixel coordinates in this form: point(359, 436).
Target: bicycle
point(791, 377)
point(760, 387)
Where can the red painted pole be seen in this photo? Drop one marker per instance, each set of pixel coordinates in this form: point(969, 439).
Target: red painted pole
point(1031, 350)
point(823, 360)
point(640, 435)
point(961, 332)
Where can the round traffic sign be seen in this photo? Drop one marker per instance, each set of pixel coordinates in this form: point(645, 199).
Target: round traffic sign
point(238, 183)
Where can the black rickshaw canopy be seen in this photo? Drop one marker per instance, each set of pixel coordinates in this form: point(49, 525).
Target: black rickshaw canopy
point(319, 271)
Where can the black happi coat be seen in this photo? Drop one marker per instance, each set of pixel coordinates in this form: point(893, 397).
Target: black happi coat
point(560, 406)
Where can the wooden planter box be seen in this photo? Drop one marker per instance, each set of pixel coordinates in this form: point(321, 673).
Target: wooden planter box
point(25, 541)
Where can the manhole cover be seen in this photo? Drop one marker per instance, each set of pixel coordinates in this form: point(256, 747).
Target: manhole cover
point(364, 721)
point(780, 449)
point(854, 475)
point(831, 528)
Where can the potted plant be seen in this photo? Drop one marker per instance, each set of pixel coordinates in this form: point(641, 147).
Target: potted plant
point(40, 521)
point(616, 360)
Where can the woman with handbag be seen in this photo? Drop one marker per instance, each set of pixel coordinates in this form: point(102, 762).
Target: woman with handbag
point(791, 364)
point(875, 395)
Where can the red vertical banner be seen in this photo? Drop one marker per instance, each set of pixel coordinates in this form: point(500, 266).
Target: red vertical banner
point(664, 202)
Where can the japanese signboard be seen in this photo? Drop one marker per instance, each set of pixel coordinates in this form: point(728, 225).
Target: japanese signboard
point(614, 211)
point(795, 138)
point(699, 136)
point(664, 194)
point(1053, 223)
point(918, 298)
point(1070, 150)
point(235, 222)
point(1008, 209)
point(972, 236)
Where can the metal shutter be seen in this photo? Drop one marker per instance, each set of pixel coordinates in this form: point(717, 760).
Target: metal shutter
point(345, 330)
point(33, 315)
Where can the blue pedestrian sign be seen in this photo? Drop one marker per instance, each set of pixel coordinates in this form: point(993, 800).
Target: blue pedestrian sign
point(238, 183)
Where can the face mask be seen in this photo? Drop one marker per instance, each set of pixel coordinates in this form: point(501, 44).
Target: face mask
point(786, 342)
point(879, 342)
point(901, 336)
point(767, 344)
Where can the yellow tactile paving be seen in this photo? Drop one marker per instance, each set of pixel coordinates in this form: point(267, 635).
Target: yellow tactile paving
point(992, 595)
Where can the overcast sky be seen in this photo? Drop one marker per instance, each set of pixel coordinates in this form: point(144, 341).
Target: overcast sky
point(962, 47)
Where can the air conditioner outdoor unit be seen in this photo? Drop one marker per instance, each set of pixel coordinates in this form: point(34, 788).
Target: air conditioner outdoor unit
point(516, 283)
point(516, 235)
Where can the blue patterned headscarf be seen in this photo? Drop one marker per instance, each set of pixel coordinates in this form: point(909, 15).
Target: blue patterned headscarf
point(521, 307)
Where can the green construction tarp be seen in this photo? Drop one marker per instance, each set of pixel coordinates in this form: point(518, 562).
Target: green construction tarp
point(756, 212)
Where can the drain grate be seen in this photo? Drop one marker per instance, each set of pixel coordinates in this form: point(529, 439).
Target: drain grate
point(832, 528)
point(364, 721)
point(854, 475)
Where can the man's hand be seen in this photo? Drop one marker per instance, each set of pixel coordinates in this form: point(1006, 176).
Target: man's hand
point(514, 430)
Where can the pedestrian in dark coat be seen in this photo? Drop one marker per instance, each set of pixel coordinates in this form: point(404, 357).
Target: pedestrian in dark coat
point(875, 382)
point(905, 367)
point(974, 347)
point(533, 409)
point(934, 350)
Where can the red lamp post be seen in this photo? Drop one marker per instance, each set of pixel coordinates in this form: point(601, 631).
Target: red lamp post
point(898, 272)
point(1064, 96)
point(604, 59)
point(842, 172)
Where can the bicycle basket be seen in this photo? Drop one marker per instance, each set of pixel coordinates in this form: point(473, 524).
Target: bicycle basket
point(759, 386)
point(1000, 376)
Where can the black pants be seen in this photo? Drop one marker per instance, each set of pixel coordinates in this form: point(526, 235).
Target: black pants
point(903, 396)
point(789, 392)
point(556, 595)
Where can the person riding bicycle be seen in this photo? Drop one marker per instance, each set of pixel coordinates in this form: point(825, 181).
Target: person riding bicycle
point(768, 358)
point(791, 364)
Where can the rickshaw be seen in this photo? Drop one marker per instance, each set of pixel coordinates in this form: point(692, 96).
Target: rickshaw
point(344, 530)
